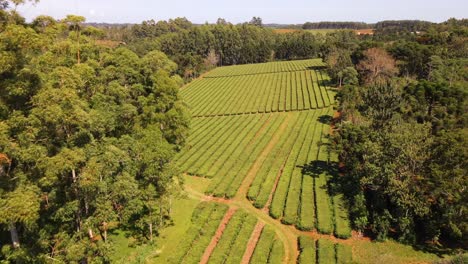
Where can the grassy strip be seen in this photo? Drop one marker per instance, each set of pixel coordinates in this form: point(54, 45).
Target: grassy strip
point(307, 250)
point(204, 216)
point(262, 250)
point(344, 254)
point(325, 251)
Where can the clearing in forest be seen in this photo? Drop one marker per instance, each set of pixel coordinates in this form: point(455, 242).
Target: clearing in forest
point(260, 135)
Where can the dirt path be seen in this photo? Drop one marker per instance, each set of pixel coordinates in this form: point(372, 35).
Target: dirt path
point(287, 233)
point(218, 234)
point(252, 242)
point(266, 209)
point(243, 189)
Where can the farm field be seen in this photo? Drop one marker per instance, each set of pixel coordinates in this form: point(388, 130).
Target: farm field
point(246, 91)
point(262, 158)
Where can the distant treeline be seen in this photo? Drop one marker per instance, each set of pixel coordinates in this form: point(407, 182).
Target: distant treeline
point(336, 25)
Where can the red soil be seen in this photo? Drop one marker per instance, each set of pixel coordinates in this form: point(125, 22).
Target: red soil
point(217, 236)
point(252, 243)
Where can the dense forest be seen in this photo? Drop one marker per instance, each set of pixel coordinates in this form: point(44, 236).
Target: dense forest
point(89, 130)
point(87, 138)
point(402, 133)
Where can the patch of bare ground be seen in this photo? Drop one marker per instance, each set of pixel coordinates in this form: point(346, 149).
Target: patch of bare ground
point(252, 242)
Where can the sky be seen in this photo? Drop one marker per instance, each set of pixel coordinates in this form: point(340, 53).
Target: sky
point(236, 11)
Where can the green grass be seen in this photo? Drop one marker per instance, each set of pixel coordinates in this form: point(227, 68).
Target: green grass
point(205, 221)
point(128, 250)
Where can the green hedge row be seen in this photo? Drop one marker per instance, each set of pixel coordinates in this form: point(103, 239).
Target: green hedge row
point(229, 236)
point(225, 145)
point(205, 151)
point(262, 250)
point(231, 184)
point(269, 163)
point(276, 253)
point(237, 146)
point(229, 172)
point(307, 215)
point(240, 244)
point(344, 254)
point(280, 195)
point(342, 225)
point(307, 250)
point(325, 251)
point(194, 153)
point(285, 146)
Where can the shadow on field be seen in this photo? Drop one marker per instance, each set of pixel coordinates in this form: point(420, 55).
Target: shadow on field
point(330, 169)
point(316, 68)
point(325, 119)
point(325, 83)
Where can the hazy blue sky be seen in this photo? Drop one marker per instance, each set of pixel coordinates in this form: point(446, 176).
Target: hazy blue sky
point(272, 11)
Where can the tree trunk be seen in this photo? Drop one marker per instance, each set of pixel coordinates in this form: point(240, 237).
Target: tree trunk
point(74, 175)
point(151, 231)
point(14, 236)
point(90, 233)
point(78, 53)
point(104, 235)
point(104, 231)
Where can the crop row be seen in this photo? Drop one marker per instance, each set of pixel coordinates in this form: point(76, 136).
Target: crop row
point(323, 251)
point(234, 239)
point(262, 185)
point(229, 177)
point(205, 221)
point(269, 67)
point(302, 196)
point(269, 249)
point(276, 92)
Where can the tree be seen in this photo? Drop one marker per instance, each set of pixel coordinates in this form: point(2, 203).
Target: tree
point(337, 61)
point(74, 23)
point(377, 66)
point(256, 21)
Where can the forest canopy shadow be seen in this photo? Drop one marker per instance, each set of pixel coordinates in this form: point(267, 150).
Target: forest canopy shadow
point(325, 119)
point(317, 167)
point(316, 67)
